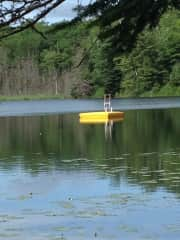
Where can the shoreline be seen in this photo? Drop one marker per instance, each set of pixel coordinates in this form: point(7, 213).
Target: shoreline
point(4, 98)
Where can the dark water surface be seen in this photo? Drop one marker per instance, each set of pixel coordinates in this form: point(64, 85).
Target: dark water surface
point(60, 179)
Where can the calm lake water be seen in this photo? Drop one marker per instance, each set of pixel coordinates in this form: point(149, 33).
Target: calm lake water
point(60, 179)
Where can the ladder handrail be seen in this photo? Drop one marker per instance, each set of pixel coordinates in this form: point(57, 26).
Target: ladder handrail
point(107, 103)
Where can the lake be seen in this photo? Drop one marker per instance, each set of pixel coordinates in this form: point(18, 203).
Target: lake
point(60, 179)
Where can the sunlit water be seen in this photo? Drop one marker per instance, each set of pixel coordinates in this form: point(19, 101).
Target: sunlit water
point(19, 108)
point(60, 179)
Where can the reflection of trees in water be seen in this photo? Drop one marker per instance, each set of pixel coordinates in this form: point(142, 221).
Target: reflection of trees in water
point(144, 148)
point(151, 140)
point(152, 172)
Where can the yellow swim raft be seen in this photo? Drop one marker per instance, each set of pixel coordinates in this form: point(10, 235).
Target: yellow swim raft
point(101, 116)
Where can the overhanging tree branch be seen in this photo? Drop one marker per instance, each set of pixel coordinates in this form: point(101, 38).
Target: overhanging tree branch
point(14, 15)
point(119, 20)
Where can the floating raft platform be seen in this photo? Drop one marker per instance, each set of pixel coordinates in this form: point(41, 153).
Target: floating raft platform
point(99, 121)
point(100, 116)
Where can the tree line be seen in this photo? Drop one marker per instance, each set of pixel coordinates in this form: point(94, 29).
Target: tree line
point(76, 62)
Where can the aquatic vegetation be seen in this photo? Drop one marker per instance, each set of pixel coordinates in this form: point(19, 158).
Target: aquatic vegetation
point(173, 227)
point(128, 228)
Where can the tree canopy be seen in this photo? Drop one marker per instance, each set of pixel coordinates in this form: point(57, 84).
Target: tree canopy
point(101, 31)
point(121, 20)
point(30, 64)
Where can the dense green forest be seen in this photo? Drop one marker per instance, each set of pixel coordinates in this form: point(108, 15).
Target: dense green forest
point(74, 62)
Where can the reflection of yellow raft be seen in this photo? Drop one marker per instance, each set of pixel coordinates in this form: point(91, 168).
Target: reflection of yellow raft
point(100, 116)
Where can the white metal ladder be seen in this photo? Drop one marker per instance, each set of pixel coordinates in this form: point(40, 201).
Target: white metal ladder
point(107, 103)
